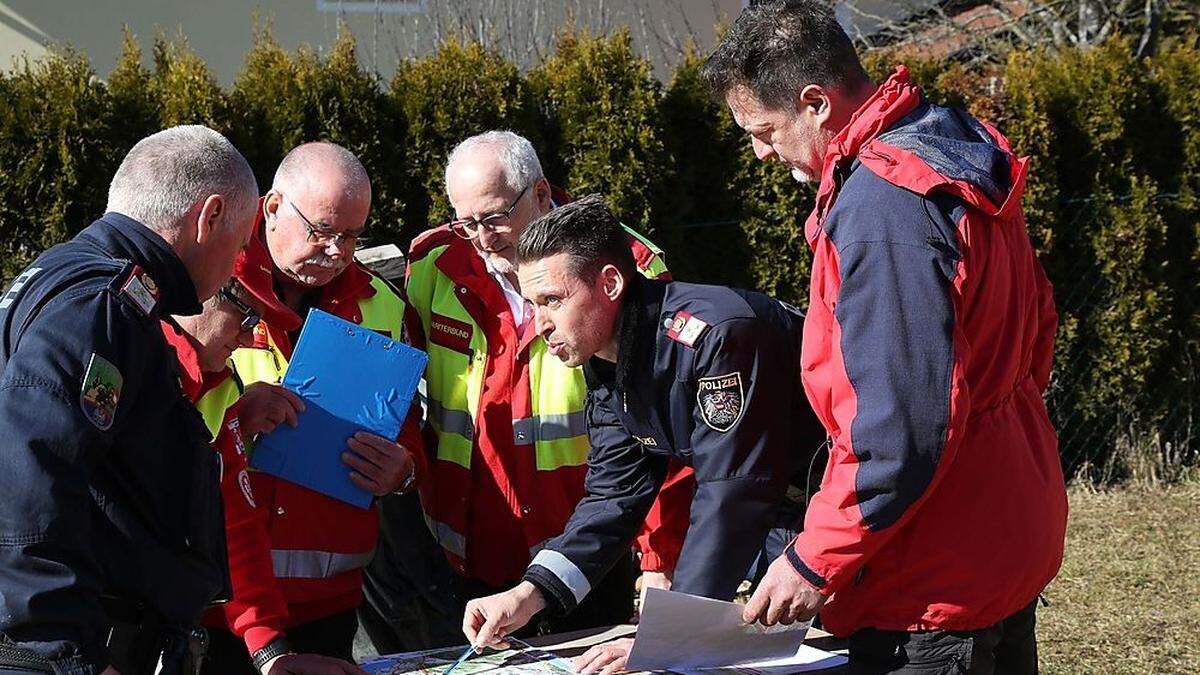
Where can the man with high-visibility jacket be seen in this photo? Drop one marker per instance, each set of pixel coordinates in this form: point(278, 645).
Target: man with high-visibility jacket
point(203, 343)
point(310, 220)
point(506, 433)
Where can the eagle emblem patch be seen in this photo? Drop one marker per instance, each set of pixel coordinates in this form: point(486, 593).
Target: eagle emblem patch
point(721, 400)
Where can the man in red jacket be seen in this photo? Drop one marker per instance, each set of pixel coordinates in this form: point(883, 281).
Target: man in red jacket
point(927, 348)
point(202, 344)
point(302, 252)
point(505, 434)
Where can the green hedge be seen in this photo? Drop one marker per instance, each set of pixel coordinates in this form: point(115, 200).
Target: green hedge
point(1113, 202)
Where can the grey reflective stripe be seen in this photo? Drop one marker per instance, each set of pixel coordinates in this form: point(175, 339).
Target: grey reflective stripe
point(450, 421)
point(450, 540)
point(552, 427)
point(566, 571)
point(289, 564)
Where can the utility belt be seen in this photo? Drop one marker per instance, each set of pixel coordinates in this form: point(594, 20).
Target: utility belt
point(139, 643)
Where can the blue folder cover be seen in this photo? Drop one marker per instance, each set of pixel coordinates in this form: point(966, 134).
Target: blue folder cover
point(351, 379)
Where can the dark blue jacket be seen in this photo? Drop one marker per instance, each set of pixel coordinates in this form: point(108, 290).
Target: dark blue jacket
point(109, 485)
point(707, 375)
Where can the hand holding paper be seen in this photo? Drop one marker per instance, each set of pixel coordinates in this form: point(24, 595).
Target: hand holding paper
point(783, 596)
point(379, 466)
point(264, 406)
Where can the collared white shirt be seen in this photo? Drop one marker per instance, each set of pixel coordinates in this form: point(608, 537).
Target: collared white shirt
point(522, 309)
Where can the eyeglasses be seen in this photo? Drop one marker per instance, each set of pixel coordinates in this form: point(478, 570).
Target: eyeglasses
point(250, 318)
point(468, 228)
point(319, 234)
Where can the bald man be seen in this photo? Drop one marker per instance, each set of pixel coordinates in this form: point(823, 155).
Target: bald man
point(308, 226)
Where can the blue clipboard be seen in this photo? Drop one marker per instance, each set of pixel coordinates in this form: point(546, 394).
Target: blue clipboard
point(351, 379)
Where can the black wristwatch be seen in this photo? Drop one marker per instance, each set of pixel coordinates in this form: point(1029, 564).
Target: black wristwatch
point(277, 647)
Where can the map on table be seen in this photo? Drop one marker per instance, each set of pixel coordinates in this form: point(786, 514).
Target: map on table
point(524, 661)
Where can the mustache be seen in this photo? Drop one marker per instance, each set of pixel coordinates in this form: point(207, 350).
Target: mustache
point(325, 261)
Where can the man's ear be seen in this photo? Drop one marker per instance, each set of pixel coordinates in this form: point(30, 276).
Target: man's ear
point(211, 218)
point(270, 208)
point(612, 282)
point(541, 193)
point(813, 100)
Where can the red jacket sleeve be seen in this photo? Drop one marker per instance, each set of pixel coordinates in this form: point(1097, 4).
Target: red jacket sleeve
point(411, 439)
point(661, 537)
point(899, 398)
point(258, 612)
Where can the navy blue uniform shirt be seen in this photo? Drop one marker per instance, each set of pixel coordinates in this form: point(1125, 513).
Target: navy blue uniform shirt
point(708, 375)
point(109, 485)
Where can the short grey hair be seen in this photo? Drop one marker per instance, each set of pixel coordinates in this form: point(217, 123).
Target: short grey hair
point(297, 167)
point(167, 173)
point(517, 157)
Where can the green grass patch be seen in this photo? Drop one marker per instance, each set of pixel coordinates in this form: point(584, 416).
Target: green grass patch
point(1128, 595)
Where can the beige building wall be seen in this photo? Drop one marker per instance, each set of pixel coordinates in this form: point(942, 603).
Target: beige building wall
point(220, 31)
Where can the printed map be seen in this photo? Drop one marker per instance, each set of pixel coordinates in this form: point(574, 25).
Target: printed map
point(525, 661)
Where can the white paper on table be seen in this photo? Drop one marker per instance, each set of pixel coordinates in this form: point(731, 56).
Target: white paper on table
point(682, 632)
point(806, 660)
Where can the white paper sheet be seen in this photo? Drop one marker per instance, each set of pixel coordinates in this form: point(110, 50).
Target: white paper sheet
point(806, 660)
point(682, 632)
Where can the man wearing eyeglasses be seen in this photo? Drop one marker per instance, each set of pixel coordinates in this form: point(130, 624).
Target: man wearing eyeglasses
point(203, 344)
point(505, 430)
point(302, 252)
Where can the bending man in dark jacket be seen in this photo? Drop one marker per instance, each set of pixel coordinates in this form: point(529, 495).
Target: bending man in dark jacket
point(111, 534)
point(703, 374)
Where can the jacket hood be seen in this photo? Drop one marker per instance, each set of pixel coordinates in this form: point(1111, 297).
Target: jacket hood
point(924, 147)
point(954, 145)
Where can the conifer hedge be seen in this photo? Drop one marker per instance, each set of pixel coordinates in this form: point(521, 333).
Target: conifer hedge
point(1113, 202)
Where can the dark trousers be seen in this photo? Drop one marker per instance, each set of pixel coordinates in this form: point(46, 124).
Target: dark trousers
point(329, 636)
point(409, 598)
point(411, 627)
point(1007, 648)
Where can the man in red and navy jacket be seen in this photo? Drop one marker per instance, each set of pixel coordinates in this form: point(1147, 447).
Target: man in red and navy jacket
point(927, 349)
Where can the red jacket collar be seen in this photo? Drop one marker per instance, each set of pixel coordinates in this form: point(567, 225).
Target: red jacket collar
point(194, 381)
point(339, 297)
point(894, 99)
point(353, 284)
point(479, 294)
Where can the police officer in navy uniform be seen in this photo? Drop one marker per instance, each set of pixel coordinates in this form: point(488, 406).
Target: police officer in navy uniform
point(111, 528)
point(705, 374)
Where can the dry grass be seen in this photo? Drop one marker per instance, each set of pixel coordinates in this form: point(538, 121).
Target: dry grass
point(1128, 597)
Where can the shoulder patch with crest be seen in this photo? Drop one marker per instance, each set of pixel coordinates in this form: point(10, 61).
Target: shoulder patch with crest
point(721, 400)
point(141, 290)
point(101, 392)
point(685, 328)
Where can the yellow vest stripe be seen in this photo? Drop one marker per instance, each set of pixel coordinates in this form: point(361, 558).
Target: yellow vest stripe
point(549, 427)
point(213, 404)
point(557, 427)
